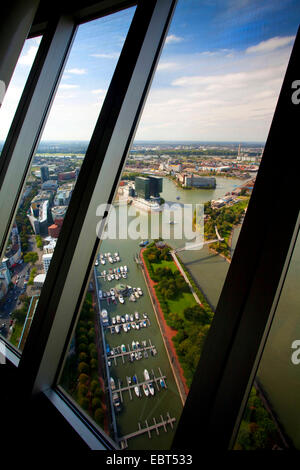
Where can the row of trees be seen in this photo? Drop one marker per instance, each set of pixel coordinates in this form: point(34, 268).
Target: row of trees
point(257, 430)
point(22, 221)
point(80, 376)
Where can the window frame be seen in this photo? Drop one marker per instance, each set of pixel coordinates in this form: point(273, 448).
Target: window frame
point(252, 279)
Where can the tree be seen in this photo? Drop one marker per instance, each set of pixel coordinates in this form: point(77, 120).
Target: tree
point(31, 257)
point(98, 416)
point(83, 368)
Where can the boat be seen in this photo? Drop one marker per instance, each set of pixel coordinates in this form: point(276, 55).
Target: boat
point(128, 326)
point(102, 261)
point(132, 298)
point(146, 355)
point(110, 259)
point(127, 317)
point(137, 344)
point(133, 325)
point(151, 388)
point(128, 380)
point(145, 315)
point(116, 402)
point(140, 292)
point(134, 379)
point(125, 269)
point(124, 275)
point(112, 384)
point(123, 348)
point(112, 292)
point(131, 317)
point(125, 328)
point(100, 294)
point(118, 319)
point(118, 258)
point(121, 269)
point(137, 326)
point(96, 263)
point(146, 374)
point(146, 390)
point(133, 345)
point(131, 357)
point(122, 319)
point(136, 315)
point(112, 276)
point(117, 329)
point(121, 299)
point(144, 323)
point(162, 383)
point(108, 277)
point(144, 243)
point(137, 390)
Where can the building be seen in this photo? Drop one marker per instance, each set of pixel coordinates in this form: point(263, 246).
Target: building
point(67, 175)
point(41, 222)
point(148, 187)
point(38, 200)
point(199, 182)
point(50, 185)
point(46, 261)
point(44, 173)
point(58, 212)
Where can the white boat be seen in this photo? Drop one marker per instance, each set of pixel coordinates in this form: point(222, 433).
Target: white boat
point(112, 383)
point(146, 390)
point(121, 269)
point(151, 388)
point(146, 374)
point(128, 380)
point(137, 390)
point(140, 292)
point(96, 262)
point(124, 276)
point(100, 294)
point(118, 258)
point(123, 348)
point(117, 329)
point(108, 277)
point(137, 326)
point(133, 345)
point(136, 295)
point(110, 259)
point(102, 261)
point(121, 299)
point(118, 319)
point(133, 325)
point(131, 317)
point(113, 320)
point(112, 276)
point(145, 315)
point(132, 298)
point(112, 292)
point(127, 317)
point(125, 328)
point(125, 269)
point(136, 315)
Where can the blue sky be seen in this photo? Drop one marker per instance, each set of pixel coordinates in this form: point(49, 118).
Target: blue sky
point(218, 77)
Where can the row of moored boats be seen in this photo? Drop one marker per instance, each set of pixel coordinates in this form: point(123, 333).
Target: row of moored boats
point(111, 258)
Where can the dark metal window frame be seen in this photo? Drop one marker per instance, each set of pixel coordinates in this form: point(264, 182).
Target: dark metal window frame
point(243, 312)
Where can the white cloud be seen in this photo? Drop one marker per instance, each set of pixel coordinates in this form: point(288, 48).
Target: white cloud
point(66, 86)
point(270, 44)
point(100, 91)
point(171, 39)
point(77, 71)
point(113, 55)
point(167, 66)
point(28, 57)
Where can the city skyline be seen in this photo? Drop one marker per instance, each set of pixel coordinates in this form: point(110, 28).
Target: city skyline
point(218, 77)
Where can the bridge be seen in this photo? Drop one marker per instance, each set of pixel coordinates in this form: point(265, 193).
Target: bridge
point(199, 245)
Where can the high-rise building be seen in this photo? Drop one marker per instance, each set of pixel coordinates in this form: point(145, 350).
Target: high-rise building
point(146, 187)
point(44, 173)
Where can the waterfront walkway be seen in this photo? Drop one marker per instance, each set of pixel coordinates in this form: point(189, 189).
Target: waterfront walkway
point(167, 334)
point(175, 259)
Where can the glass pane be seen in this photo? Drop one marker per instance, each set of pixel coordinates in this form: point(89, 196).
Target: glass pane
point(16, 86)
point(272, 416)
point(55, 168)
point(215, 92)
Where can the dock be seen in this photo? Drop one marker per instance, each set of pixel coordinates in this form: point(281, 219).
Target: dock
point(128, 388)
point(129, 351)
point(148, 428)
point(109, 327)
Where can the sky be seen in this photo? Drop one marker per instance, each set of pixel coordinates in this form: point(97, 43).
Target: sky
point(218, 78)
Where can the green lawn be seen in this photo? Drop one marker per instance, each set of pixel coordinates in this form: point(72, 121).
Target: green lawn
point(164, 264)
point(178, 305)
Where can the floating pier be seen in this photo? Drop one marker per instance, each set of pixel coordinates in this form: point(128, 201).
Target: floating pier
point(148, 428)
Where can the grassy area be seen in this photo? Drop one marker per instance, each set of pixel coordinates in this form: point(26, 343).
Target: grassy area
point(164, 264)
point(182, 301)
point(16, 334)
